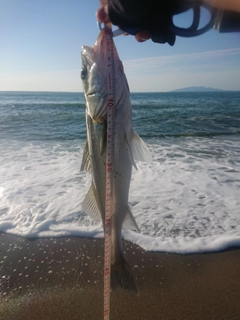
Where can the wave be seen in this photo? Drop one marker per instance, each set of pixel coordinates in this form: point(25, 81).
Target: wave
point(43, 104)
point(190, 134)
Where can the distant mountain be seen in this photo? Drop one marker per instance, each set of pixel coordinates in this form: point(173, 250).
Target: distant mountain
point(196, 89)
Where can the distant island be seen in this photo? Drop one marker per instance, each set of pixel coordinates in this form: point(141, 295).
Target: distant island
point(196, 89)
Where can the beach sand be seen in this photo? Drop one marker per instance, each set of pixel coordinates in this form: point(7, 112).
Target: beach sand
point(62, 278)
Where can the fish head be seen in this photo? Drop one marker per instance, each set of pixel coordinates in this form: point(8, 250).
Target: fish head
point(94, 74)
point(94, 79)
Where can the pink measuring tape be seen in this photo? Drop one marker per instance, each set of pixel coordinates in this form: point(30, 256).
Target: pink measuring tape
point(109, 170)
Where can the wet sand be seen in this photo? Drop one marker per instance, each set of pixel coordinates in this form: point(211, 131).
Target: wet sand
point(62, 278)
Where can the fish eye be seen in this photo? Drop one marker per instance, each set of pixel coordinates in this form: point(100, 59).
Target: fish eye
point(83, 73)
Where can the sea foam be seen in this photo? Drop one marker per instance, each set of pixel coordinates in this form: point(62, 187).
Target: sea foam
point(185, 201)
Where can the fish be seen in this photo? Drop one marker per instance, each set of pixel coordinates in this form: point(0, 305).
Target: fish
point(128, 148)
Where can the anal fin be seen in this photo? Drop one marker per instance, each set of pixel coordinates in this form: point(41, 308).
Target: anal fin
point(129, 222)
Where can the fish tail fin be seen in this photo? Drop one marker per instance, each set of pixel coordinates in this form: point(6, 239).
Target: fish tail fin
point(121, 276)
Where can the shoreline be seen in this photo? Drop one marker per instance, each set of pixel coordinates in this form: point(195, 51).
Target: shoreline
point(62, 278)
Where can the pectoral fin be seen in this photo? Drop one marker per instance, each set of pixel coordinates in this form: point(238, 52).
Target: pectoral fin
point(103, 141)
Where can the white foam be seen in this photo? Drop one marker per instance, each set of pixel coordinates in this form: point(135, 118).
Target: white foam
point(185, 201)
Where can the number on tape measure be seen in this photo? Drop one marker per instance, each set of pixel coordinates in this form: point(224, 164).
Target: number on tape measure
point(109, 172)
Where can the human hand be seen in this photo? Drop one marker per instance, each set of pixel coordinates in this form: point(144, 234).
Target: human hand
point(147, 20)
point(102, 13)
point(103, 16)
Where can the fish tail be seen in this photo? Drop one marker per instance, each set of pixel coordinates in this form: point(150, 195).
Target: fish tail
point(121, 276)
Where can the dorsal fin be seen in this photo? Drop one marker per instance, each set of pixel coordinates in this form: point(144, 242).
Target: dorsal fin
point(90, 205)
point(138, 149)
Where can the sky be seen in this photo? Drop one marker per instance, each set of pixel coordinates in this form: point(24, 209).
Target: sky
point(40, 50)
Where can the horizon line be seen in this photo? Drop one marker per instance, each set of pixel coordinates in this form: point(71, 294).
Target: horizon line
point(211, 89)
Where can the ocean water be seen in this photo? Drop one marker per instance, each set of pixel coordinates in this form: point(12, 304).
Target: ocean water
point(186, 200)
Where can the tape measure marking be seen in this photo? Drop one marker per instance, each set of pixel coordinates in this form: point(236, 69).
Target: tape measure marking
point(109, 171)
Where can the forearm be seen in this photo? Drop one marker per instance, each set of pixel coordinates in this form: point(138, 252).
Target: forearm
point(142, 11)
point(143, 8)
point(232, 5)
point(150, 19)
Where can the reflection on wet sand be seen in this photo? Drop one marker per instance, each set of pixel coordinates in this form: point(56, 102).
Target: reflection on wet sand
point(62, 278)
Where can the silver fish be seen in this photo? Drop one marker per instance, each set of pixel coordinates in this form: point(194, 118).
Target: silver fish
point(128, 147)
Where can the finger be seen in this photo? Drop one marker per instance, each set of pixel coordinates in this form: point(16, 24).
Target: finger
point(102, 14)
point(143, 35)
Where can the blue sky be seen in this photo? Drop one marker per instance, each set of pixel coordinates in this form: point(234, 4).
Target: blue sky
point(41, 44)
